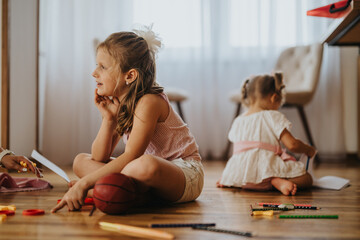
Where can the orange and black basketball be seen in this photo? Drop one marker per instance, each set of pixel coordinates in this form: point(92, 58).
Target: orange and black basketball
point(115, 193)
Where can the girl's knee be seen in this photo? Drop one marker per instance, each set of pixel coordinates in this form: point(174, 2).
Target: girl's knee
point(78, 161)
point(143, 168)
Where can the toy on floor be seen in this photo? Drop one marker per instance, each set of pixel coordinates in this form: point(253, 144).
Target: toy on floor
point(7, 207)
point(33, 212)
point(3, 217)
point(24, 164)
point(5, 211)
point(115, 193)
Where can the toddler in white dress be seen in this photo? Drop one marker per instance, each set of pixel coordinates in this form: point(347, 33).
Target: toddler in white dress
point(258, 162)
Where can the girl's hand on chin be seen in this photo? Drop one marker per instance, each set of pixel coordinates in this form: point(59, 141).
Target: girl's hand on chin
point(107, 106)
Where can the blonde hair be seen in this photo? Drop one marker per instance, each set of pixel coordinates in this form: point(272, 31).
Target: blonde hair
point(133, 51)
point(261, 86)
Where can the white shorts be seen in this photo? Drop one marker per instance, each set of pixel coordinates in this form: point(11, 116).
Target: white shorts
point(194, 178)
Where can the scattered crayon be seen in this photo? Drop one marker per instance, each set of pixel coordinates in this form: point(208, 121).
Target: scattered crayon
point(3, 217)
point(7, 208)
point(263, 213)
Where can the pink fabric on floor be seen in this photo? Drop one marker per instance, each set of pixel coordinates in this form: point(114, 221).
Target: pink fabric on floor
point(21, 184)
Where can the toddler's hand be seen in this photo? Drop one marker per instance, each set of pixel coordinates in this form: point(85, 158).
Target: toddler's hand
point(311, 152)
point(21, 164)
point(107, 107)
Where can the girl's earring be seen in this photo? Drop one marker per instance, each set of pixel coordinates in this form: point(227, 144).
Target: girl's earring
point(127, 83)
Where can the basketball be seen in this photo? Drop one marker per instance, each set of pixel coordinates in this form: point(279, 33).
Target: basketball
point(115, 193)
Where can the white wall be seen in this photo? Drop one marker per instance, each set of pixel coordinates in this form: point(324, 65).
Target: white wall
point(23, 41)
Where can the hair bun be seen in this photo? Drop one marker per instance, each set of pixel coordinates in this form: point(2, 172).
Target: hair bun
point(152, 39)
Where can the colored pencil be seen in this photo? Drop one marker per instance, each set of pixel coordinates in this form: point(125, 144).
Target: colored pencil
point(212, 229)
point(92, 211)
point(136, 231)
point(303, 205)
point(271, 208)
point(309, 216)
point(295, 206)
point(307, 163)
point(179, 225)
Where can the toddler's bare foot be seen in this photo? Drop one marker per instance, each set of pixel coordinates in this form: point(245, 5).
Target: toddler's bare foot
point(218, 184)
point(286, 187)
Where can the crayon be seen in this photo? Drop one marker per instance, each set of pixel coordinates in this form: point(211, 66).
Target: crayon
point(263, 213)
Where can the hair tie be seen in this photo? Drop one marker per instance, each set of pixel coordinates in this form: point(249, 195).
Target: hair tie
point(278, 76)
point(244, 90)
point(152, 40)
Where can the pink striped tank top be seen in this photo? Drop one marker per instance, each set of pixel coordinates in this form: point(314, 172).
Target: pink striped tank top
point(172, 138)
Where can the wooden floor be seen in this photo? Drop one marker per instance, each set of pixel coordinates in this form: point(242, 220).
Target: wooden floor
point(228, 208)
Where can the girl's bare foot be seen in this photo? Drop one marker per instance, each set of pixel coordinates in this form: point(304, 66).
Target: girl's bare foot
point(286, 187)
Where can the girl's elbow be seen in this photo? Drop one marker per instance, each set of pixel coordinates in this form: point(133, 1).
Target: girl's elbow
point(293, 146)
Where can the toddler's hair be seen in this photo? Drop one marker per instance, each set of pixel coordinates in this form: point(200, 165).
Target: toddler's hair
point(261, 86)
point(133, 51)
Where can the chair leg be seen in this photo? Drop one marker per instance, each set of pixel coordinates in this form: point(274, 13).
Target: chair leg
point(228, 144)
point(305, 124)
point(178, 104)
point(307, 129)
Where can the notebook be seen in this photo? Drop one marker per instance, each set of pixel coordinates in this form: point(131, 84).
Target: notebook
point(326, 182)
point(49, 165)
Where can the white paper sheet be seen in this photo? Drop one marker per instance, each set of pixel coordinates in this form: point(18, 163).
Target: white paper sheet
point(331, 182)
point(41, 159)
point(326, 182)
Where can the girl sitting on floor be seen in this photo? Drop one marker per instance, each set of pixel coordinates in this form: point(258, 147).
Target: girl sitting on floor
point(161, 154)
point(258, 162)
